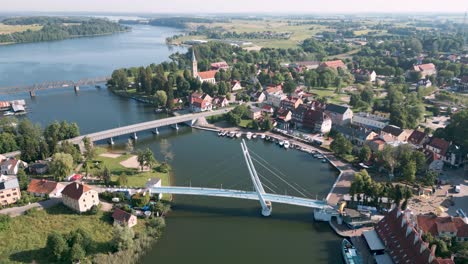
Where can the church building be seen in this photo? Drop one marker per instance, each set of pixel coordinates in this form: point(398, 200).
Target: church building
point(204, 76)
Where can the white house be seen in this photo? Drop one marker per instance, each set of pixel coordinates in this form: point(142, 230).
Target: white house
point(79, 197)
point(10, 166)
point(369, 120)
point(152, 183)
point(275, 98)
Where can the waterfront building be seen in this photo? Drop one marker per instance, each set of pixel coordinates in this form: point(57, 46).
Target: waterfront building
point(200, 102)
point(255, 113)
point(79, 197)
point(41, 187)
point(339, 114)
point(370, 120)
point(291, 103)
point(205, 76)
point(123, 218)
point(317, 121)
point(357, 136)
point(153, 183)
point(9, 190)
point(391, 133)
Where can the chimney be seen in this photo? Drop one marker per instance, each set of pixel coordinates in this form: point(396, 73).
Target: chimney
point(433, 249)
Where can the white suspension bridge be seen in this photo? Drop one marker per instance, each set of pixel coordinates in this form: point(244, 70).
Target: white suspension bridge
point(259, 194)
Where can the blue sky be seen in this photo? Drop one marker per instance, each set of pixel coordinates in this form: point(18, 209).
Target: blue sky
point(237, 6)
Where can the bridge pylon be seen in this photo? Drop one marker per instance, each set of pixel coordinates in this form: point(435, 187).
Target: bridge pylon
point(266, 205)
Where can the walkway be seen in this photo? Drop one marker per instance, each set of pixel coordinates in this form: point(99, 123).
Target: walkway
point(16, 211)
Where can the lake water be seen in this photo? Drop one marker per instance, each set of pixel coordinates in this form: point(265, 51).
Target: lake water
point(82, 58)
point(199, 229)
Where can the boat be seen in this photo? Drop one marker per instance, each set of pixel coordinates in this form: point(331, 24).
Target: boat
point(254, 136)
point(324, 160)
point(267, 138)
point(249, 135)
point(158, 110)
point(349, 252)
point(232, 134)
point(220, 133)
point(238, 134)
point(263, 136)
point(281, 143)
point(8, 113)
point(286, 144)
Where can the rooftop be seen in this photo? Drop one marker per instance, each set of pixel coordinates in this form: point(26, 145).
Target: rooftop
point(75, 190)
point(42, 186)
point(341, 109)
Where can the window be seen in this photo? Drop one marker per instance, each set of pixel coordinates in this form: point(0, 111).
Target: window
point(8, 195)
point(15, 193)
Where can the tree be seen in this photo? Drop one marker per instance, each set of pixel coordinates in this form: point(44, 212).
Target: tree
point(122, 238)
point(365, 153)
point(106, 176)
point(341, 145)
point(5, 221)
point(7, 143)
point(409, 171)
point(387, 155)
point(160, 99)
point(61, 165)
point(289, 87)
point(123, 179)
point(77, 253)
point(267, 123)
point(149, 158)
point(119, 80)
point(23, 179)
point(57, 245)
point(141, 159)
point(90, 151)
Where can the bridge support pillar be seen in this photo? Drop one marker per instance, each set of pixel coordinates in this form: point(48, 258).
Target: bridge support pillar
point(176, 126)
point(156, 131)
point(135, 137)
point(266, 211)
point(111, 141)
point(32, 93)
point(77, 88)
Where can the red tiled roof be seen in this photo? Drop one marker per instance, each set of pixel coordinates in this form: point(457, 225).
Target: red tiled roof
point(75, 190)
point(42, 186)
point(403, 243)
point(273, 89)
point(435, 225)
point(4, 104)
point(334, 64)
point(121, 216)
point(219, 65)
point(416, 137)
point(440, 144)
point(207, 75)
point(427, 67)
point(267, 107)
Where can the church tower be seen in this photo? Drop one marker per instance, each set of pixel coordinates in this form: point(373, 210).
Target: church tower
point(194, 64)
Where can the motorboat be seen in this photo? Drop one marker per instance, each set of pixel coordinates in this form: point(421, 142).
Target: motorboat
point(249, 135)
point(8, 113)
point(286, 144)
point(254, 136)
point(281, 143)
point(238, 134)
point(263, 136)
point(349, 253)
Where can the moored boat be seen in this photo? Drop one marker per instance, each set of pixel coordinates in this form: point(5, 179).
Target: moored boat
point(254, 136)
point(281, 143)
point(349, 253)
point(263, 136)
point(249, 135)
point(238, 134)
point(286, 144)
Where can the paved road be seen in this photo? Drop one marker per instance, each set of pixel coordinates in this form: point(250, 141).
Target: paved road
point(16, 211)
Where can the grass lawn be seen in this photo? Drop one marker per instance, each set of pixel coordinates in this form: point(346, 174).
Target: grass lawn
point(329, 93)
point(245, 123)
point(8, 29)
point(135, 177)
point(26, 238)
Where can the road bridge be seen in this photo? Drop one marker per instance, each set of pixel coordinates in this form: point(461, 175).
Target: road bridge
point(150, 125)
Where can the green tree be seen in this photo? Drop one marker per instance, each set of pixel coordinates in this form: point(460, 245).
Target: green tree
point(341, 145)
point(289, 87)
point(409, 171)
point(7, 143)
point(149, 159)
point(57, 246)
point(77, 253)
point(365, 153)
point(23, 179)
point(61, 165)
point(160, 98)
point(123, 179)
point(90, 151)
point(119, 80)
point(122, 238)
point(106, 176)
point(141, 159)
point(5, 221)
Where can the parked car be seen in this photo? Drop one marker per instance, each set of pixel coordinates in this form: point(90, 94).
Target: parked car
point(457, 188)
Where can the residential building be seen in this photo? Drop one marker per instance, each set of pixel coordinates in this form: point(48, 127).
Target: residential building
point(370, 121)
point(309, 65)
point(258, 97)
point(275, 98)
point(444, 227)
point(339, 114)
point(357, 136)
point(298, 115)
point(79, 197)
point(255, 113)
point(403, 242)
point(364, 75)
point(391, 133)
point(439, 147)
point(454, 155)
point(317, 121)
point(220, 101)
point(123, 218)
point(418, 138)
point(200, 102)
point(10, 166)
point(424, 83)
point(236, 86)
point(9, 190)
point(427, 69)
point(284, 115)
point(290, 103)
point(219, 65)
point(152, 183)
point(333, 64)
point(41, 187)
point(268, 109)
point(38, 168)
point(376, 145)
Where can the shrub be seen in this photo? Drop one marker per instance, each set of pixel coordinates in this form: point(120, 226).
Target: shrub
point(163, 168)
point(5, 221)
